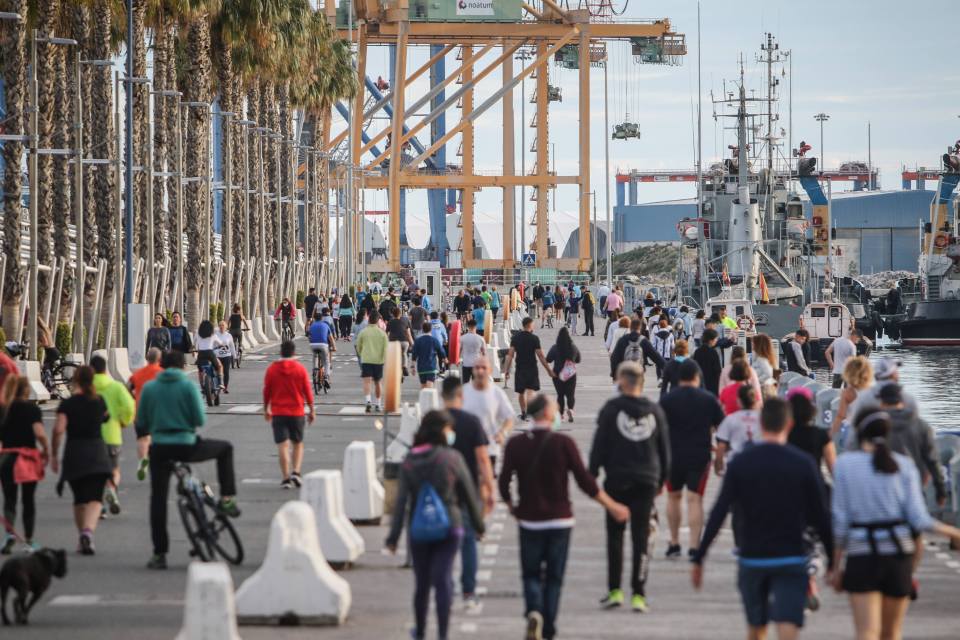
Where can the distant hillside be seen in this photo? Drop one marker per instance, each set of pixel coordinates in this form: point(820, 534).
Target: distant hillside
point(649, 260)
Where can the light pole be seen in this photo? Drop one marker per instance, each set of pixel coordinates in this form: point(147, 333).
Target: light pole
point(606, 181)
point(821, 118)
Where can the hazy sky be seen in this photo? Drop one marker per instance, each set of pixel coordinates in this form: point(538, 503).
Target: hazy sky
point(881, 61)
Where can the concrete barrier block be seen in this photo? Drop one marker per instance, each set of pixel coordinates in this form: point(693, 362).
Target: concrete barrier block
point(295, 584)
point(118, 364)
point(495, 341)
point(339, 539)
point(271, 329)
point(505, 339)
point(409, 423)
point(76, 358)
point(256, 329)
point(30, 369)
point(822, 401)
point(362, 492)
point(783, 385)
point(493, 357)
point(209, 612)
point(429, 400)
point(301, 317)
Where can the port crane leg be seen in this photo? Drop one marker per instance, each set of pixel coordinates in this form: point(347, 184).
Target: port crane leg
point(509, 169)
point(396, 152)
point(584, 231)
point(466, 205)
point(542, 142)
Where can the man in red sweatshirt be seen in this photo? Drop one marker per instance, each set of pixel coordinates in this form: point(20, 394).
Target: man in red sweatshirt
point(286, 388)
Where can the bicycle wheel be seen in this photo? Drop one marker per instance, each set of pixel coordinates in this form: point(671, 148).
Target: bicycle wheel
point(208, 390)
point(223, 538)
point(194, 526)
point(236, 361)
point(316, 380)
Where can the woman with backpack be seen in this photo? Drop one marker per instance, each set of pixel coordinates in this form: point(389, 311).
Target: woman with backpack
point(435, 480)
point(663, 341)
point(565, 356)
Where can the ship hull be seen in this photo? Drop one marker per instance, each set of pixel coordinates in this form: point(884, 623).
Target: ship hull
point(931, 323)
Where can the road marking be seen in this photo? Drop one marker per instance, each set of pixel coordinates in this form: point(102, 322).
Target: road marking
point(943, 556)
point(468, 627)
point(496, 526)
point(484, 575)
point(246, 408)
point(490, 549)
point(353, 410)
point(953, 564)
point(486, 562)
point(255, 481)
point(75, 601)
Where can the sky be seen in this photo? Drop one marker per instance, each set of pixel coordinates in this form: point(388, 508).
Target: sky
point(881, 62)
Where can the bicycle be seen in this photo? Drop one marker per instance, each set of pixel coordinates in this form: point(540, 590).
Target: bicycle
point(286, 329)
point(210, 384)
point(319, 376)
point(238, 341)
point(209, 531)
point(57, 378)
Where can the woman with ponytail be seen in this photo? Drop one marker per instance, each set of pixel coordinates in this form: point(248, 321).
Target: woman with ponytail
point(878, 513)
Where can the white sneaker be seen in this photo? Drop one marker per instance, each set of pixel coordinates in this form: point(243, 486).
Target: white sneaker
point(472, 605)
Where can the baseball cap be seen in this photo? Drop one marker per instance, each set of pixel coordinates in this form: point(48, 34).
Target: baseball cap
point(886, 368)
point(800, 391)
point(891, 393)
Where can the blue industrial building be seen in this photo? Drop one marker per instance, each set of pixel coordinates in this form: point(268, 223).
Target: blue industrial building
point(877, 230)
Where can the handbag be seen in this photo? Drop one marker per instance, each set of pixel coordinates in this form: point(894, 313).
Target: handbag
point(568, 371)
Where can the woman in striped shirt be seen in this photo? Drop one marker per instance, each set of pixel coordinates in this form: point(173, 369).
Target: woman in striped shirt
point(878, 513)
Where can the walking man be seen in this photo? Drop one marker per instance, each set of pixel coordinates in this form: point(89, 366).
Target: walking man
point(773, 518)
point(490, 405)
point(371, 348)
point(632, 446)
point(541, 460)
point(839, 351)
point(429, 355)
point(525, 346)
point(472, 350)
point(693, 414)
point(286, 387)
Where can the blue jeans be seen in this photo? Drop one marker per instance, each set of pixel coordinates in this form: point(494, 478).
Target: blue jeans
point(468, 559)
point(543, 560)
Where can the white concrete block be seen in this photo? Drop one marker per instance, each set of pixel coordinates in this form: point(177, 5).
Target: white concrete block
point(31, 370)
point(409, 423)
point(362, 492)
point(76, 358)
point(118, 364)
point(429, 400)
point(139, 321)
point(494, 359)
point(339, 539)
point(495, 341)
point(256, 330)
point(301, 317)
point(295, 584)
point(271, 328)
point(209, 612)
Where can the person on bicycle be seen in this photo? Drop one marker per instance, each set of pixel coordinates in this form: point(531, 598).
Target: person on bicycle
point(345, 313)
point(546, 301)
point(226, 352)
point(322, 344)
point(158, 335)
point(51, 355)
point(207, 344)
point(238, 324)
point(170, 412)
point(286, 312)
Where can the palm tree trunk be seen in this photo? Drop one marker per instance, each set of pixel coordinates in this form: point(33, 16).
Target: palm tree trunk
point(103, 147)
point(286, 217)
point(141, 142)
point(81, 33)
point(253, 114)
point(197, 161)
point(63, 74)
point(270, 120)
point(173, 192)
point(49, 61)
point(161, 60)
point(228, 142)
point(14, 67)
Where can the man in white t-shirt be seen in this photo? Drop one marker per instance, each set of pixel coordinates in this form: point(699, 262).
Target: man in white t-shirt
point(472, 350)
point(839, 351)
point(491, 406)
point(737, 429)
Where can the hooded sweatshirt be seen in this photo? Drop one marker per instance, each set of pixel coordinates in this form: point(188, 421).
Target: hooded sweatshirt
point(286, 387)
point(621, 348)
point(171, 409)
point(631, 443)
point(663, 342)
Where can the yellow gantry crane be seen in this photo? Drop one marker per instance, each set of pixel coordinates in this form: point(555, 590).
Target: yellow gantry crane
point(479, 28)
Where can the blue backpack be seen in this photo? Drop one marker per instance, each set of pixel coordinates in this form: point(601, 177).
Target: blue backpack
point(430, 522)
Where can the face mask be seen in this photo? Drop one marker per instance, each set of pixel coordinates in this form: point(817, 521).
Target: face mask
point(556, 422)
point(451, 438)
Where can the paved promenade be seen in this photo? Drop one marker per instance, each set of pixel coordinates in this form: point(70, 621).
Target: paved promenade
point(112, 595)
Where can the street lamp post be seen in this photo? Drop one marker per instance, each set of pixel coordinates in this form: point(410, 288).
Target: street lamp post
point(821, 118)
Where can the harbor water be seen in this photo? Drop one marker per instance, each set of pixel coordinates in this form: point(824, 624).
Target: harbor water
point(930, 374)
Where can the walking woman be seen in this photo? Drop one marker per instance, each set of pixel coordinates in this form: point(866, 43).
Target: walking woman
point(158, 335)
point(565, 356)
point(23, 455)
point(86, 461)
point(878, 511)
point(434, 469)
point(345, 317)
point(763, 363)
point(857, 376)
point(225, 352)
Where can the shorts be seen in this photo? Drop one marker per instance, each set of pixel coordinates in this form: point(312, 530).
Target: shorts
point(205, 356)
point(427, 377)
point(324, 351)
point(776, 594)
point(693, 477)
point(88, 489)
point(114, 452)
point(288, 428)
point(890, 575)
point(526, 380)
point(374, 371)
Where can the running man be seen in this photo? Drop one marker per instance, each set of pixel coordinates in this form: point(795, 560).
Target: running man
point(632, 446)
point(371, 347)
point(286, 387)
point(137, 382)
point(525, 346)
point(693, 414)
point(122, 409)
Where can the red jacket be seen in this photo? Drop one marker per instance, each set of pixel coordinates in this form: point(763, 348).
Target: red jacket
point(286, 387)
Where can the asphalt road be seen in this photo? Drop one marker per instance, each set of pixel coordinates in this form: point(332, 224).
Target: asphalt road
point(112, 595)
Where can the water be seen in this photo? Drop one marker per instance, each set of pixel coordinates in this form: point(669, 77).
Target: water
point(930, 374)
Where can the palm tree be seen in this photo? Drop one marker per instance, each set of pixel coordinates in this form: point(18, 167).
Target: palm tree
point(49, 67)
point(64, 75)
point(80, 26)
point(141, 101)
point(14, 67)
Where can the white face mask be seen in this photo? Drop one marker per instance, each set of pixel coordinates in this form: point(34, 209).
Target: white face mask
point(451, 438)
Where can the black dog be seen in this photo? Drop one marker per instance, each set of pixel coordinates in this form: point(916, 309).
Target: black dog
point(26, 575)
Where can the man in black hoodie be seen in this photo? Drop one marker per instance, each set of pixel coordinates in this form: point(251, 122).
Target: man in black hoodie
point(709, 360)
point(634, 347)
point(632, 446)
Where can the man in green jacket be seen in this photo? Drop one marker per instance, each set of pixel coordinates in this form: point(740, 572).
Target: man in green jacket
point(121, 408)
point(371, 348)
point(170, 412)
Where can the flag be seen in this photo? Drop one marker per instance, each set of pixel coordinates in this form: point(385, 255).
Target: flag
point(764, 292)
point(725, 277)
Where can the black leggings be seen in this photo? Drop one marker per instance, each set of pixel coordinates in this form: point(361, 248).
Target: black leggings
point(565, 392)
point(226, 364)
point(345, 323)
point(588, 322)
point(639, 499)
point(161, 458)
point(10, 490)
